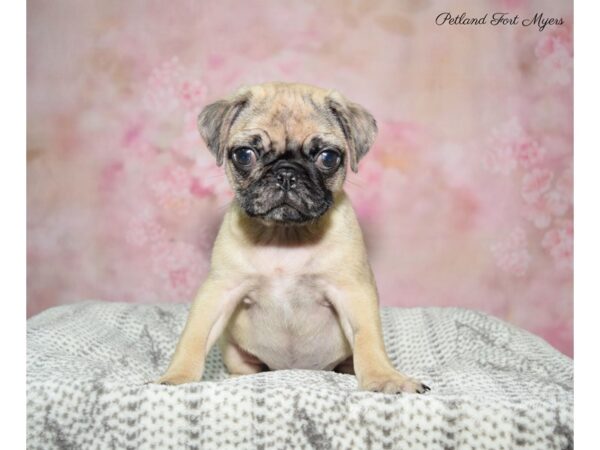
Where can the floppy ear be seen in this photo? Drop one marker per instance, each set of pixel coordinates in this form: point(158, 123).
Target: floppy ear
point(358, 125)
point(215, 121)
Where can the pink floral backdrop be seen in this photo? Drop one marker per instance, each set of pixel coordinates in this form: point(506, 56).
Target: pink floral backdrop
point(465, 199)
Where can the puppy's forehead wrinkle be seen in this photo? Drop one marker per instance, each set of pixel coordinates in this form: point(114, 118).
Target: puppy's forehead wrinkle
point(291, 113)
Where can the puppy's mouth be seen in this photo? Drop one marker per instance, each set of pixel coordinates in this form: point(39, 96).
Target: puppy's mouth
point(285, 213)
point(289, 212)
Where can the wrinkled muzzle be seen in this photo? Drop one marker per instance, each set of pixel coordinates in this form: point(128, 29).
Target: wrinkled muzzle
point(288, 192)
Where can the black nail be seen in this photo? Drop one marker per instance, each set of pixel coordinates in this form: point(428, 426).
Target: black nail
point(427, 388)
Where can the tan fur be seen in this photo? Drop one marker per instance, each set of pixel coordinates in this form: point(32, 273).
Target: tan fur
point(289, 296)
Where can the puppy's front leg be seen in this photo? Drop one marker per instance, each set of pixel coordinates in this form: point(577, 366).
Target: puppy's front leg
point(208, 316)
point(357, 307)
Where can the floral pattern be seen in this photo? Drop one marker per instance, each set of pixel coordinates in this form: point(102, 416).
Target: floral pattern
point(511, 254)
point(466, 198)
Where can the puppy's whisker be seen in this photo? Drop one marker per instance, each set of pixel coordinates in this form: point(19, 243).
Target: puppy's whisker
point(354, 183)
point(213, 176)
point(224, 207)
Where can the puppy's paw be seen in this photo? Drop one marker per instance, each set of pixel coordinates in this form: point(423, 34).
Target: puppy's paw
point(176, 378)
point(392, 382)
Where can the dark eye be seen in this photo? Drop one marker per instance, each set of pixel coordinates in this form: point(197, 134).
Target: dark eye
point(328, 160)
point(244, 157)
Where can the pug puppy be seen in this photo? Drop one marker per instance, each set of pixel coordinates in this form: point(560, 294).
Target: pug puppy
point(290, 286)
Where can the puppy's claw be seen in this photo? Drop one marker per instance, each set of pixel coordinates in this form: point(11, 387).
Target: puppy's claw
point(423, 389)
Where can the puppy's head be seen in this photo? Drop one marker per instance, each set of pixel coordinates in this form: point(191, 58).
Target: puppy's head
point(286, 147)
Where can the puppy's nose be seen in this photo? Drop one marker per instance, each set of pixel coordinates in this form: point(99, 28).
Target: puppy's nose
point(286, 178)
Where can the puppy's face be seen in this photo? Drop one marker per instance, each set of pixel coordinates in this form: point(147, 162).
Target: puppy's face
point(286, 147)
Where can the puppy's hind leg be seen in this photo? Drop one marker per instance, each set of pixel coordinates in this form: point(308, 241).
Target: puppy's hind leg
point(346, 366)
point(238, 361)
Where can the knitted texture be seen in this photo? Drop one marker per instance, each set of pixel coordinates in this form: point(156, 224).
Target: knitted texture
point(493, 386)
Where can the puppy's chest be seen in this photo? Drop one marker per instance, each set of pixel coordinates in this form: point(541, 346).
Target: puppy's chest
point(287, 323)
point(273, 262)
point(287, 279)
point(286, 320)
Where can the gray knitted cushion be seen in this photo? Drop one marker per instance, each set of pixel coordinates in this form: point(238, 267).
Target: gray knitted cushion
point(492, 385)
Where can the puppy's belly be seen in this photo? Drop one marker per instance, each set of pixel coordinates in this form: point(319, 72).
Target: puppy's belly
point(288, 324)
